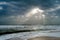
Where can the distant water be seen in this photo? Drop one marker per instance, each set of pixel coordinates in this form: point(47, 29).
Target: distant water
point(51, 27)
point(41, 28)
point(26, 35)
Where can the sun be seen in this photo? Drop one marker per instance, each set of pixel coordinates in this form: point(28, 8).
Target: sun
point(34, 11)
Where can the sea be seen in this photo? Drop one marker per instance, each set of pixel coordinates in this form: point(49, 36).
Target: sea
point(40, 30)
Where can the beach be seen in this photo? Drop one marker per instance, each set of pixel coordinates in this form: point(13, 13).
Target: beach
point(45, 38)
point(37, 38)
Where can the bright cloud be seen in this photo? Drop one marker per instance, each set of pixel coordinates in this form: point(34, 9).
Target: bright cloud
point(34, 11)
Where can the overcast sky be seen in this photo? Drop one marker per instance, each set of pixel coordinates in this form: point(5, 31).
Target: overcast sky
point(30, 12)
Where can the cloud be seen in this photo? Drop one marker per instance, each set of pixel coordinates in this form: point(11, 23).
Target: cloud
point(20, 12)
point(12, 8)
point(1, 8)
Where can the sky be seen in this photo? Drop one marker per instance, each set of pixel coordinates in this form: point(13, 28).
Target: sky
point(29, 12)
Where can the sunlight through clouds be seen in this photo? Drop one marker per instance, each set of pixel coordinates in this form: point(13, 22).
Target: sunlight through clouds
point(30, 11)
point(34, 11)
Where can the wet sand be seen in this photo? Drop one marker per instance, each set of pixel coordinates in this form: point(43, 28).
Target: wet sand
point(45, 38)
